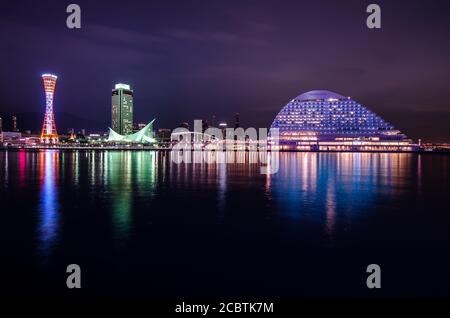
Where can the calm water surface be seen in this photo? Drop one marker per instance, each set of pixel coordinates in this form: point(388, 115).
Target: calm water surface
point(140, 225)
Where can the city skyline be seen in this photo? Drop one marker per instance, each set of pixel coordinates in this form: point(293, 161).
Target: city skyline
point(125, 126)
point(246, 58)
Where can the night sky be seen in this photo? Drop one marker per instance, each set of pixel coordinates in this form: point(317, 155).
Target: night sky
point(195, 59)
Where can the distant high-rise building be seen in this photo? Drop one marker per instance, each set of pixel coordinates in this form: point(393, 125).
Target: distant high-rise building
point(138, 126)
point(122, 109)
point(237, 123)
point(49, 133)
point(14, 123)
point(205, 125)
point(1, 124)
point(223, 127)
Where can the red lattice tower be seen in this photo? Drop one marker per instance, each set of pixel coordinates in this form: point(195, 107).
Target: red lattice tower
point(49, 133)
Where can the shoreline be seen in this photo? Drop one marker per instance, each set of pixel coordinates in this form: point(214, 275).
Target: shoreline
point(136, 149)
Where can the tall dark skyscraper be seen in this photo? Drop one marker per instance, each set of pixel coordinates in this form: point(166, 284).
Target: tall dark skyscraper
point(122, 109)
point(223, 128)
point(205, 125)
point(237, 123)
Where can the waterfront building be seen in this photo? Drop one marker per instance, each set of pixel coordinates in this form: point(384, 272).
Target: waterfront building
point(164, 135)
point(95, 138)
point(122, 109)
point(10, 137)
point(1, 124)
point(326, 121)
point(145, 135)
point(49, 133)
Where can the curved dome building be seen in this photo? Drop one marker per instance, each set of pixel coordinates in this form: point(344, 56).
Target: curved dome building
point(324, 120)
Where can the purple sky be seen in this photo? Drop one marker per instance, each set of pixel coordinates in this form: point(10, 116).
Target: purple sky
point(194, 59)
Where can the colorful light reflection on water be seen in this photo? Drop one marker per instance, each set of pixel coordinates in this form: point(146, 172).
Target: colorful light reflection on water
point(143, 213)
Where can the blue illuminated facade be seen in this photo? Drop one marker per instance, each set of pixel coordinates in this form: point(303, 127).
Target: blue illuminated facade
point(324, 120)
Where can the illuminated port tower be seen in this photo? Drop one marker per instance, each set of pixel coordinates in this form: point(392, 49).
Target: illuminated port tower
point(49, 134)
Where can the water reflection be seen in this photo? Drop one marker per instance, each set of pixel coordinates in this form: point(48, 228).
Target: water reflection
point(333, 188)
point(6, 165)
point(121, 191)
point(128, 177)
point(22, 168)
point(48, 203)
point(330, 208)
point(222, 191)
point(118, 182)
point(144, 214)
